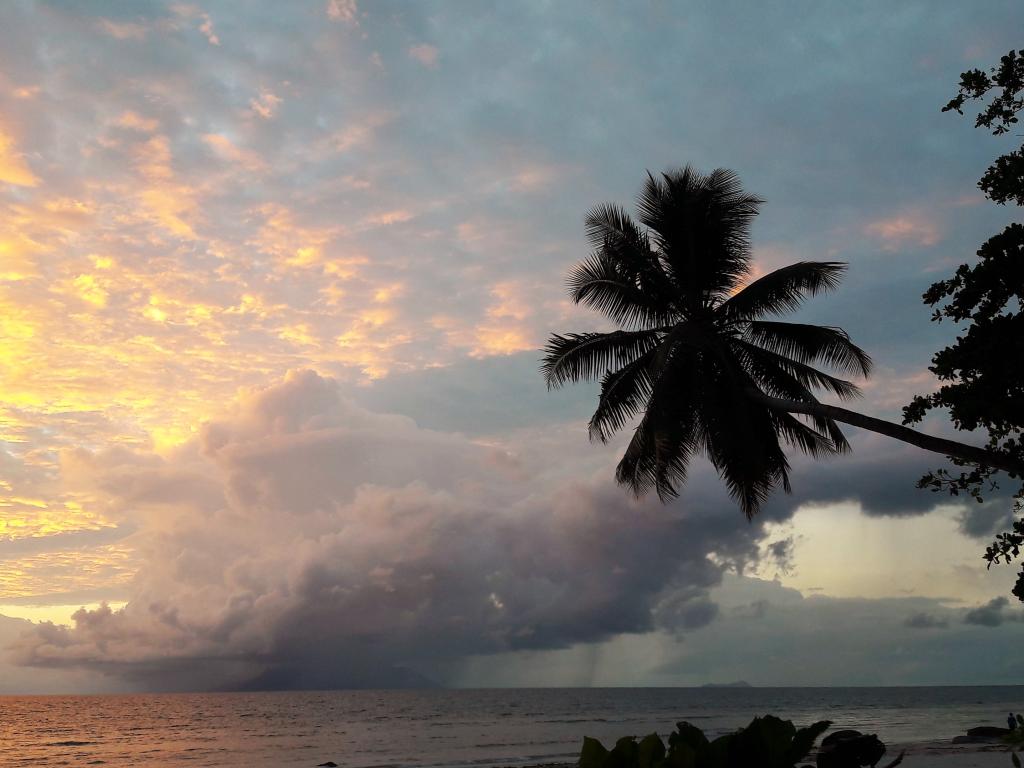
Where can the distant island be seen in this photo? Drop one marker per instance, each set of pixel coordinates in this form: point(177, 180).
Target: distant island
point(737, 684)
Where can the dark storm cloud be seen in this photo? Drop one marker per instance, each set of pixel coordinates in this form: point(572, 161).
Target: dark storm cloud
point(993, 613)
point(981, 521)
point(925, 621)
point(345, 544)
point(769, 635)
point(839, 641)
point(15, 679)
point(754, 610)
point(880, 475)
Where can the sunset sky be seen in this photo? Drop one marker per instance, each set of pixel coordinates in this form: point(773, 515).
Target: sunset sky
point(274, 278)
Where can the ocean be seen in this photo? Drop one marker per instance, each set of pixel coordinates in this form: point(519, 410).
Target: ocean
point(479, 728)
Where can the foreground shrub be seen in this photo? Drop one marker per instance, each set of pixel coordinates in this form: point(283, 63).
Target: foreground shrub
point(767, 742)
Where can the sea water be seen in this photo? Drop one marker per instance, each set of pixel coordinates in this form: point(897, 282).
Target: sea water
point(364, 729)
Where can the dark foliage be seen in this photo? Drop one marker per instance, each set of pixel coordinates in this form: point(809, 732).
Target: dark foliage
point(767, 742)
point(981, 372)
point(1005, 84)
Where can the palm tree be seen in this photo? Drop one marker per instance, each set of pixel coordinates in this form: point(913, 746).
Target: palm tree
point(693, 357)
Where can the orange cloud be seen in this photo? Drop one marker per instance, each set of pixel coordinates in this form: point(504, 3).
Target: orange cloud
point(265, 105)
point(500, 340)
point(168, 202)
point(384, 218)
point(26, 92)
point(67, 571)
point(359, 132)
point(293, 244)
point(134, 121)
point(122, 30)
point(188, 11)
point(13, 168)
point(228, 150)
point(426, 55)
point(343, 11)
point(912, 228)
point(502, 331)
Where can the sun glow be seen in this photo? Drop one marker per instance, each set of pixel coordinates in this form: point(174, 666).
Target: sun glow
point(57, 614)
point(140, 292)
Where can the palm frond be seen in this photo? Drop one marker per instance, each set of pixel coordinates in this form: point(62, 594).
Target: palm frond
point(742, 441)
point(809, 440)
point(702, 224)
point(636, 469)
point(624, 394)
point(722, 249)
point(810, 344)
point(786, 378)
point(743, 445)
point(658, 455)
point(585, 356)
point(654, 203)
point(618, 240)
point(669, 432)
point(601, 282)
point(733, 211)
point(783, 290)
point(763, 366)
point(610, 221)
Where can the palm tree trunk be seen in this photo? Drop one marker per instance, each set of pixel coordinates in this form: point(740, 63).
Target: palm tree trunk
point(968, 453)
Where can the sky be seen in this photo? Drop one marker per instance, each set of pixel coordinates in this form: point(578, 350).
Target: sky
point(274, 278)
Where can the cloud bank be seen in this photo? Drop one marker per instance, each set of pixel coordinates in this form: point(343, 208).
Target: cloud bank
point(304, 541)
point(301, 540)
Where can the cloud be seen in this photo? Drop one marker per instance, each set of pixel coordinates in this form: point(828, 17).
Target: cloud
point(982, 521)
point(344, 11)
point(912, 228)
point(13, 168)
point(123, 30)
point(387, 218)
point(188, 11)
point(228, 150)
point(880, 475)
point(134, 121)
point(993, 613)
point(771, 635)
point(925, 621)
point(265, 105)
point(359, 132)
point(835, 641)
point(425, 54)
point(16, 679)
point(336, 544)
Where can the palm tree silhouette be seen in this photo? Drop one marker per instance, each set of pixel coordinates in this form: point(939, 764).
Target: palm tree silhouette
point(693, 354)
